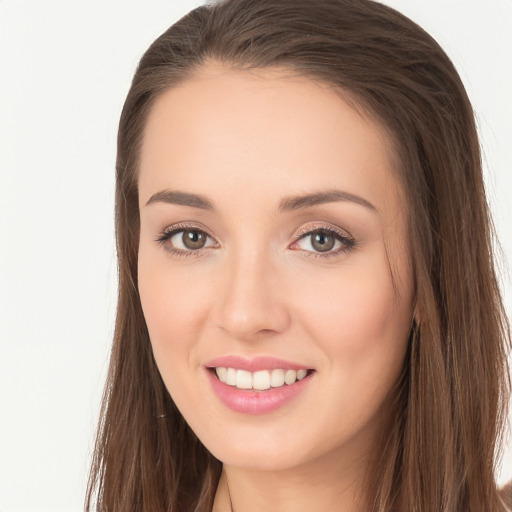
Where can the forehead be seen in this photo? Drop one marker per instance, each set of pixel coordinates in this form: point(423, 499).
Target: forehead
point(268, 131)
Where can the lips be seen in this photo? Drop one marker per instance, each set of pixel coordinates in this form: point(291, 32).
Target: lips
point(257, 386)
point(255, 364)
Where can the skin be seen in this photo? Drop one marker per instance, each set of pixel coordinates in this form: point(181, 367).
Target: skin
point(247, 141)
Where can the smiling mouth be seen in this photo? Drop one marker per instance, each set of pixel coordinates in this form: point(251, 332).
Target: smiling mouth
point(260, 380)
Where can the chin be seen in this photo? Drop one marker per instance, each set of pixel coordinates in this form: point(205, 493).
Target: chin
point(258, 460)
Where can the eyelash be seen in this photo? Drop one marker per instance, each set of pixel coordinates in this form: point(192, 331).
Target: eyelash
point(169, 232)
point(348, 243)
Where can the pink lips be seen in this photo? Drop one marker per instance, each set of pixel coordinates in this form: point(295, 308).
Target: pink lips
point(251, 401)
point(253, 365)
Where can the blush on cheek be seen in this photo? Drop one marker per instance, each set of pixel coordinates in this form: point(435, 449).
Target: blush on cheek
point(174, 312)
point(353, 307)
point(161, 298)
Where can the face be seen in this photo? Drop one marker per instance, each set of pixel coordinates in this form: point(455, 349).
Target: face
point(274, 272)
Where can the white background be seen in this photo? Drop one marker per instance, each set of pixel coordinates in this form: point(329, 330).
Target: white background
point(65, 68)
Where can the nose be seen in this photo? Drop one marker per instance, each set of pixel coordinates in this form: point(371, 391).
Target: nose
point(251, 302)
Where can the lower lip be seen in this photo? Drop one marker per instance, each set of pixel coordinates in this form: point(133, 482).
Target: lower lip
point(256, 402)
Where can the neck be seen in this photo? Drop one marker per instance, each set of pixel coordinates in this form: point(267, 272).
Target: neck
point(323, 485)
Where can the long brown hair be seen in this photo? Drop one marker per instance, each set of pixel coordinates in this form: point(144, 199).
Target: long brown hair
point(451, 401)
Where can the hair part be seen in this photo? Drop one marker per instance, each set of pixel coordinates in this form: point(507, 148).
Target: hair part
point(450, 404)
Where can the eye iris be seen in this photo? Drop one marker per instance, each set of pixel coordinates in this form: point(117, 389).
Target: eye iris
point(322, 241)
point(193, 239)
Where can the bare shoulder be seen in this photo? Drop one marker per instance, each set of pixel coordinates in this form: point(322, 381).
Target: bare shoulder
point(506, 495)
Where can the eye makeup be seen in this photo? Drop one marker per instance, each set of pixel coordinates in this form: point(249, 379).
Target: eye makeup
point(314, 241)
point(324, 241)
point(185, 240)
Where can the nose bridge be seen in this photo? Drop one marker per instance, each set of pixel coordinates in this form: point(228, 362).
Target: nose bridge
point(250, 303)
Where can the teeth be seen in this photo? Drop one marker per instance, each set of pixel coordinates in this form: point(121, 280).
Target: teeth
point(231, 376)
point(290, 376)
point(261, 380)
point(277, 378)
point(222, 373)
point(243, 379)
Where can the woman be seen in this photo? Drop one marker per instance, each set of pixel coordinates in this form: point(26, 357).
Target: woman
point(308, 310)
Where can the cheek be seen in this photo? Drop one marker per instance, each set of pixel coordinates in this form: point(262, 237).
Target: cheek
point(359, 300)
point(357, 320)
point(176, 312)
point(361, 330)
point(174, 309)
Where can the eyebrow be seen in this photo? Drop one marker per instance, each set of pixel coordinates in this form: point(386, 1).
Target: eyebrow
point(330, 196)
point(286, 205)
point(181, 198)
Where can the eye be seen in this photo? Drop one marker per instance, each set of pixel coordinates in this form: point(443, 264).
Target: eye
point(323, 241)
point(184, 239)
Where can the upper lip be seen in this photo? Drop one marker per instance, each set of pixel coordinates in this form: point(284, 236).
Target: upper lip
point(254, 364)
